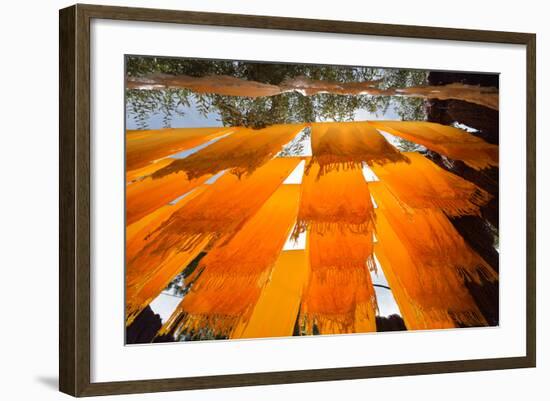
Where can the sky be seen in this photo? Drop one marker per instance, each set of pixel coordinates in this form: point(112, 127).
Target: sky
point(192, 118)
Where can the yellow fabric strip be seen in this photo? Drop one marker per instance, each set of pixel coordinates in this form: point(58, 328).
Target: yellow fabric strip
point(451, 142)
point(277, 309)
point(422, 184)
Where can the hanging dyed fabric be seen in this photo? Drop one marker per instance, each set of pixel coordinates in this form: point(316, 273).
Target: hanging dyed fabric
point(276, 311)
point(145, 171)
point(241, 152)
point(348, 145)
point(148, 274)
point(221, 210)
point(229, 279)
point(145, 282)
point(427, 263)
point(149, 271)
point(142, 232)
point(422, 184)
point(339, 297)
point(451, 142)
point(147, 195)
point(146, 146)
point(338, 198)
point(215, 213)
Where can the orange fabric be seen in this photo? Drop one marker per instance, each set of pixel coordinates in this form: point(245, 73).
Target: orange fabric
point(339, 297)
point(340, 197)
point(146, 171)
point(149, 272)
point(348, 145)
point(222, 209)
point(230, 278)
point(426, 263)
point(241, 152)
point(146, 146)
point(451, 142)
point(246, 286)
point(277, 308)
point(145, 196)
point(145, 281)
point(213, 213)
point(142, 232)
point(424, 185)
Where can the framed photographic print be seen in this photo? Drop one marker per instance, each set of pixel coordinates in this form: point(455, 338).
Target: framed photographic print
point(250, 200)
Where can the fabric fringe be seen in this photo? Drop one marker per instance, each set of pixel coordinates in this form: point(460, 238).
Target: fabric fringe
point(424, 185)
point(241, 153)
point(348, 145)
point(426, 263)
point(340, 198)
point(230, 278)
point(339, 297)
point(214, 215)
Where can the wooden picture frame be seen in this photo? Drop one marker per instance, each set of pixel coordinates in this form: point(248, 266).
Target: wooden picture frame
point(74, 204)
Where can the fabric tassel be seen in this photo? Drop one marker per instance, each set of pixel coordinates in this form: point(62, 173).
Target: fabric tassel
point(424, 185)
point(143, 231)
point(241, 153)
point(337, 198)
point(215, 213)
point(348, 145)
point(230, 278)
point(427, 264)
point(339, 297)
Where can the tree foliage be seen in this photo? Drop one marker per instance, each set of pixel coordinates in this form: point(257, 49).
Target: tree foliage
point(288, 107)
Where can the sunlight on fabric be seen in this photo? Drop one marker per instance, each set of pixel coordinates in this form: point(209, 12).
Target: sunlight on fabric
point(296, 176)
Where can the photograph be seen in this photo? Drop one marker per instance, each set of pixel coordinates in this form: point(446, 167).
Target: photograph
point(267, 199)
